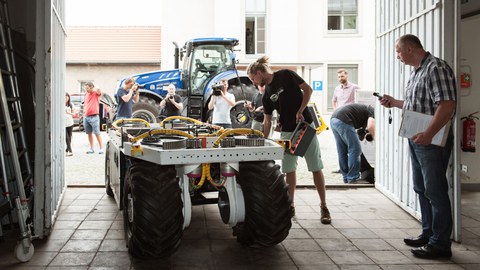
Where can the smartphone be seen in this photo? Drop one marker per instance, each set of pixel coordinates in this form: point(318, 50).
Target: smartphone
point(378, 95)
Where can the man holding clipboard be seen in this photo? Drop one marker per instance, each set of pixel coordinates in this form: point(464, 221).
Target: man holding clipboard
point(431, 90)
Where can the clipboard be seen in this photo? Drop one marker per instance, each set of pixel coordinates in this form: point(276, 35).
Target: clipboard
point(415, 122)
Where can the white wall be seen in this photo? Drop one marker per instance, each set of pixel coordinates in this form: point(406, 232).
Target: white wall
point(469, 97)
point(103, 76)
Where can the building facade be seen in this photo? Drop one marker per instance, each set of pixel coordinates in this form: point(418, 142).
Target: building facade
point(105, 55)
point(315, 37)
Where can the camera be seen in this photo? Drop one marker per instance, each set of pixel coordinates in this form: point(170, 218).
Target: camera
point(171, 97)
point(140, 86)
point(217, 89)
point(377, 95)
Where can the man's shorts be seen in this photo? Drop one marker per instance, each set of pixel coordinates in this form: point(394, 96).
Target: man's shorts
point(313, 156)
point(92, 123)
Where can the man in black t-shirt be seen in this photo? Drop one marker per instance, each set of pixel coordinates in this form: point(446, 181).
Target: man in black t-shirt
point(345, 122)
point(172, 104)
point(289, 94)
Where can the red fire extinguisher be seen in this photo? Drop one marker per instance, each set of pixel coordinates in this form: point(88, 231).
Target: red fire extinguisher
point(469, 133)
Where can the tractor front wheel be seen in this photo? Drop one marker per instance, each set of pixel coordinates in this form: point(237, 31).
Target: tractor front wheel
point(147, 109)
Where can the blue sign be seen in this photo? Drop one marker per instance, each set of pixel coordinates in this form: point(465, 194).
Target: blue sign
point(317, 85)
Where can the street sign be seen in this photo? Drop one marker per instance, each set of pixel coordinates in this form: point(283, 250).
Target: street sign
point(317, 85)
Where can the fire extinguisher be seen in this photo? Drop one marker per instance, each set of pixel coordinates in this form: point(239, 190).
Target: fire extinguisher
point(469, 133)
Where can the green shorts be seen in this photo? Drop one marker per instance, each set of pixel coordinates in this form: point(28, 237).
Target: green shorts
point(313, 156)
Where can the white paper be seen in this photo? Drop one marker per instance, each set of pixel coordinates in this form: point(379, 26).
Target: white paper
point(415, 122)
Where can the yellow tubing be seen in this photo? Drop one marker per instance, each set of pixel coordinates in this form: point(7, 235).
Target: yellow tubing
point(129, 120)
point(237, 131)
point(162, 131)
point(205, 175)
point(195, 121)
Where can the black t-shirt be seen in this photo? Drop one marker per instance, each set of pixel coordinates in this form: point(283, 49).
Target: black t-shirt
point(257, 102)
point(170, 109)
point(284, 95)
point(355, 114)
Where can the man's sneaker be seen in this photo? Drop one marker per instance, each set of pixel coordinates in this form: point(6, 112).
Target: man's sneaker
point(90, 151)
point(325, 215)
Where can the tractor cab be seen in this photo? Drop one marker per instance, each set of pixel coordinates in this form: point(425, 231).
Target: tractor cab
point(204, 59)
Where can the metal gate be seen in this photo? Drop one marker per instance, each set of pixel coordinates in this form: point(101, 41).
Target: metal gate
point(435, 22)
point(50, 113)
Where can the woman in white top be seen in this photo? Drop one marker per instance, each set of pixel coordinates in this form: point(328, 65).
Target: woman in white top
point(68, 124)
point(221, 105)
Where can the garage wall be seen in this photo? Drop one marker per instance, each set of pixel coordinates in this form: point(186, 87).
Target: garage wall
point(434, 22)
point(470, 96)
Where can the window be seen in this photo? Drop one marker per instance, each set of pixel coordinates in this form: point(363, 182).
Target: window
point(82, 86)
point(333, 80)
point(255, 11)
point(342, 15)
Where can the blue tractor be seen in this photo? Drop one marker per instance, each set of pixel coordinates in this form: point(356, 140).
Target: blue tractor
point(206, 61)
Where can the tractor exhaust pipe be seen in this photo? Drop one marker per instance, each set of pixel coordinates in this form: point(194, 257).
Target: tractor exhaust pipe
point(176, 55)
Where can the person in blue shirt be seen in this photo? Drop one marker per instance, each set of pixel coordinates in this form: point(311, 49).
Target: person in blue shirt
point(126, 95)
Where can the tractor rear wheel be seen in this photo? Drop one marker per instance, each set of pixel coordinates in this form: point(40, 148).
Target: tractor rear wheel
point(240, 116)
point(267, 204)
point(152, 210)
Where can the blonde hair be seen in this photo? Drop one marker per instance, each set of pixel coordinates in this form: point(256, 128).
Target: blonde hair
point(129, 80)
point(262, 64)
point(171, 86)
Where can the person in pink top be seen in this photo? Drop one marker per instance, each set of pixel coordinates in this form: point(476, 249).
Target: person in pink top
point(345, 92)
point(91, 119)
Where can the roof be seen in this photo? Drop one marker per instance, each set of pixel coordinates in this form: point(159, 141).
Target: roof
point(113, 44)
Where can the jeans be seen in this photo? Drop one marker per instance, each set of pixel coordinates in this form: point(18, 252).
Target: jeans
point(429, 167)
point(348, 149)
point(92, 124)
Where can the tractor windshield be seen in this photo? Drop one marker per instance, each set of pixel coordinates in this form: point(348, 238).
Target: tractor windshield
point(207, 61)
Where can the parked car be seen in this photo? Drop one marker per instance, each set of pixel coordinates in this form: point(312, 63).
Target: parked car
point(108, 109)
point(77, 102)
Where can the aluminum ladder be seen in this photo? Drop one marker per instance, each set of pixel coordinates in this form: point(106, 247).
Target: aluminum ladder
point(17, 176)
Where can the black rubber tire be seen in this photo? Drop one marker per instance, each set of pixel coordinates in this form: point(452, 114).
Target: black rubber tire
point(240, 116)
point(156, 226)
point(267, 204)
point(108, 188)
point(146, 109)
point(249, 91)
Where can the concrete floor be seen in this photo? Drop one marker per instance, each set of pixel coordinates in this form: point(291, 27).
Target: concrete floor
point(366, 233)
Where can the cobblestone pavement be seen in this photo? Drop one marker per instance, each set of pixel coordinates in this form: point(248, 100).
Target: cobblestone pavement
point(89, 169)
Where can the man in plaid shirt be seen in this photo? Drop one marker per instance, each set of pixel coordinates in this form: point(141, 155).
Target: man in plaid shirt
point(431, 90)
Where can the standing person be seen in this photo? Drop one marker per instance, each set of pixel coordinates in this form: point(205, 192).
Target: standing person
point(289, 94)
point(221, 105)
point(68, 124)
point(127, 94)
point(431, 90)
point(256, 107)
point(345, 92)
point(91, 120)
point(344, 122)
point(172, 104)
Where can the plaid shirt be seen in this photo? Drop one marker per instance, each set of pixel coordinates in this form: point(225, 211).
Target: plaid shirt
point(433, 81)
